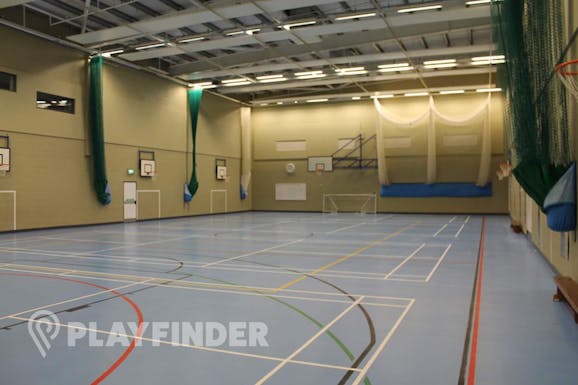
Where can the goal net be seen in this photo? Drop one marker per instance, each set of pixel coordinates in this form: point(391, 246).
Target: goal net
point(350, 203)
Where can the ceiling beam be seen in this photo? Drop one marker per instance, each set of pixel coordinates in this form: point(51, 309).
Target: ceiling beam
point(12, 3)
point(382, 57)
point(354, 79)
point(189, 17)
point(330, 43)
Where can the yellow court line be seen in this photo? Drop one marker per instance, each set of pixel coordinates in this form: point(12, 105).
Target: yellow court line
point(344, 258)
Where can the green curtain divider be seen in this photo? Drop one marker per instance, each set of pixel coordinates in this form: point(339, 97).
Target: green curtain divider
point(97, 130)
point(194, 100)
point(530, 34)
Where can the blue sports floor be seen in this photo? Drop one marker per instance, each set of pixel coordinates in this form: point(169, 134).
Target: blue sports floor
point(345, 298)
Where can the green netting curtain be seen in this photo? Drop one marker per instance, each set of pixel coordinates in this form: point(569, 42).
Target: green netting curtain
point(531, 35)
point(194, 101)
point(97, 130)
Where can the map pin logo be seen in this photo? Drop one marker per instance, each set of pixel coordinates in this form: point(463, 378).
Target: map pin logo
point(43, 327)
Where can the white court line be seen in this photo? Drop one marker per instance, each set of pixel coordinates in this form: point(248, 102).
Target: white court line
point(404, 261)
point(83, 240)
point(252, 253)
point(255, 293)
point(453, 219)
point(440, 230)
point(373, 358)
point(181, 345)
point(459, 231)
point(438, 263)
point(467, 219)
point(203, 286)
point(73, 299)
point(307, 343)
point(345, 228)
point(332, 255)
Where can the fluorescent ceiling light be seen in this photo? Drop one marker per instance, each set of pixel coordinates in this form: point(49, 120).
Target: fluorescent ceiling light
point(349, 73)
point(314, 76)
point(486, 58)
point(316, 100)
point(489, 89)
point(274, 80)
point(190, 39)
point(268, 77)
point(288, 26)
point(443, 61)
point(477, 2)
point(356, 98)
point(203, 85)
point(416, 9)
point(279, 103)
point(234, 80)
point(433, 66)
point(416, 94)
point(393, 65)
point(382, 96)
point(248, 32)
point(243, 83)
point(113, 52)
point(452, 92)
point(264, 104)
point(486, 62)
point(154, 45)
point(308, 73)
point(349, 69)
point(395, 69)
point(356, 16)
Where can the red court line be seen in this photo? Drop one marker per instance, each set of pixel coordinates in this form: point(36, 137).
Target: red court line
point(474, 344)
point(135, 307)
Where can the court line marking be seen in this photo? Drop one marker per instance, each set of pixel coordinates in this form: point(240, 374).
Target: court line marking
point(438, 263)
point(71, 299)
point(343, 259)
point(252, 253)
point(459, 231)
point(381, 346)
point(467, 219)
point(216, 288)
point(193, 347)
point(308, 342)
point(404, 261)
point(440, 230)
point(40, 238)
point(453, 219)
point(234, 267)
point(345, 228)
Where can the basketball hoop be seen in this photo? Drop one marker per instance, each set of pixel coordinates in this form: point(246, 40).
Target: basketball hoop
point(567, 72)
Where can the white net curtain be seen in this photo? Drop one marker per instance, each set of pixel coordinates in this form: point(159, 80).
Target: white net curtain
point(433, 115)
point(246, 158)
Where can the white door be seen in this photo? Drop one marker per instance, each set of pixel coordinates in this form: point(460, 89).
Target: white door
point(129, 201)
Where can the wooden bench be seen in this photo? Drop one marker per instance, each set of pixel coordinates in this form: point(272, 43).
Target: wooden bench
point(567, 292)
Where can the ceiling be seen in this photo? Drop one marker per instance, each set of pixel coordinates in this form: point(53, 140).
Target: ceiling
point(278, 49)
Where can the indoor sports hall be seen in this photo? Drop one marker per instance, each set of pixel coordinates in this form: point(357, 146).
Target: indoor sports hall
point(288, 192)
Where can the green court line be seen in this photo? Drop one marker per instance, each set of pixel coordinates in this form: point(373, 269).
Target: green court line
point(316, 322)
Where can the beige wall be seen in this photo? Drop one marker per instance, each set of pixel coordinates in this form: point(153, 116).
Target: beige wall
point(321, 125)
point(51, 167)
